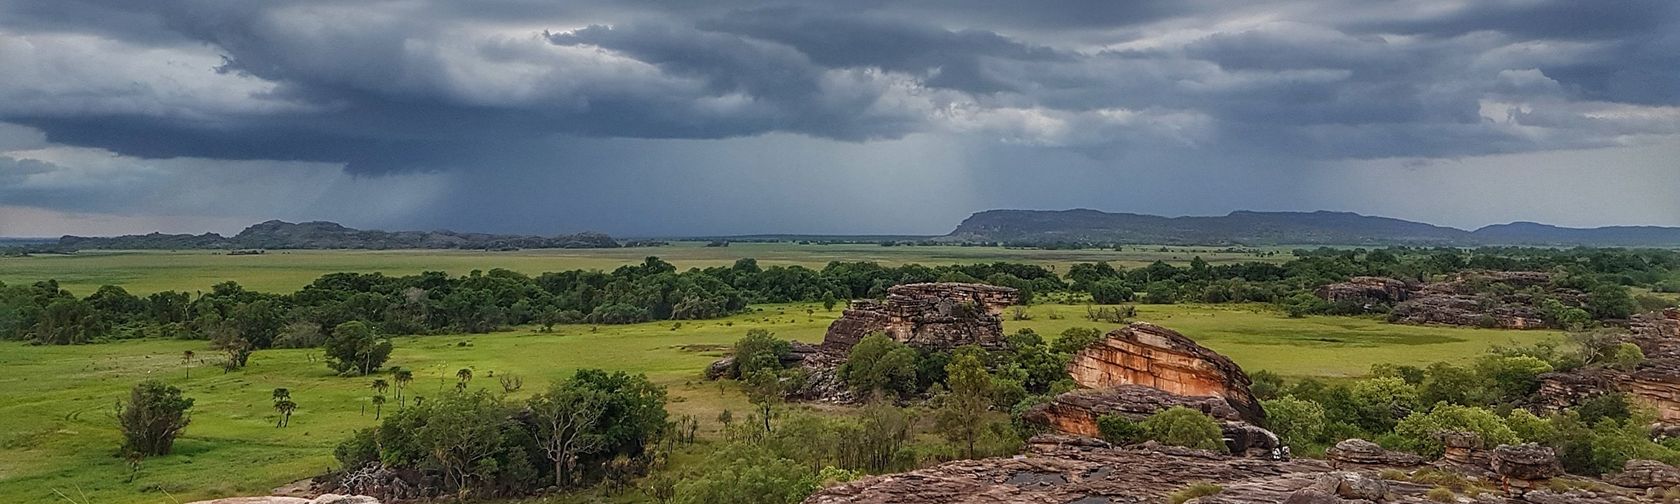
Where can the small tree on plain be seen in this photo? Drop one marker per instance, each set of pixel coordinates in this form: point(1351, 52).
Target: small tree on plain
point(354, 347)
point(151, 419)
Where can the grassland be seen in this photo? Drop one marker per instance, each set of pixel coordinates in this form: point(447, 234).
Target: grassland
point(59, 433)
point(285, 271)
point(57, 429)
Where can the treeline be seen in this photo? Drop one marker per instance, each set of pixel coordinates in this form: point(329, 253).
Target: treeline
point(434, 302)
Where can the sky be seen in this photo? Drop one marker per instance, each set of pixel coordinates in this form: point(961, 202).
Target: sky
point(666, 117)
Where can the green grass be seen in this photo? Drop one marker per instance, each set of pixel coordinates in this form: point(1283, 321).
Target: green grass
point(57, 431)
point(286, 271)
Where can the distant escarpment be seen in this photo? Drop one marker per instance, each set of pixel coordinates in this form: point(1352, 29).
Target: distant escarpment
point(1279, 228)
point(276, 234)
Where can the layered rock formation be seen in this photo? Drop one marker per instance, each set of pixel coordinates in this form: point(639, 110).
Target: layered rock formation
point(1063, 470)
point(1162, 359)
point(927, 315)
point(1365, 453)
point(1468, 299)
point(1366, 291)
point(1656, 381)
point(1525, 466)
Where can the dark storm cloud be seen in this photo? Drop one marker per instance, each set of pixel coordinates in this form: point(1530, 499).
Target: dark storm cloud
point(527, 89)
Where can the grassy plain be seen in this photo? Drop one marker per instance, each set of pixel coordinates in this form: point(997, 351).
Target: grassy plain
point(59, 432)
point(143, 272)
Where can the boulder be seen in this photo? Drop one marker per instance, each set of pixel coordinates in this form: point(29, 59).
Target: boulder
point(1645, 474)
point(1312, 496)
point(1351, 485)
point(323, 499)
point(1362, 452)
point(1076, 412)
point(927, 315)
point(1160, 358)
point(1525, 462)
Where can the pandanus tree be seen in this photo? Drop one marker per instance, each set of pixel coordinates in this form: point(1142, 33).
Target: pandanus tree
point(464, 375)
point(284, 405)
point(402, 377)
point(378, 406)
point(186, 360)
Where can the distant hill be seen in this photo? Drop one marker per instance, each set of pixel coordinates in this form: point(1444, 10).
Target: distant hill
point(276, 234)
point(1278, 228)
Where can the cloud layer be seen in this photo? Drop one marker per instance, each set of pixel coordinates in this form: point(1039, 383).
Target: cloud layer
point(506, 93)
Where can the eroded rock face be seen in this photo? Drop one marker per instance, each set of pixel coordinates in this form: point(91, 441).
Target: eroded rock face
point(1162, 359)
point(927, 315)
point(1076, 412)
point(1362, 452)
point(1645, 474)
point(1526, 462)
point(1366, 291)
point(1656, 381)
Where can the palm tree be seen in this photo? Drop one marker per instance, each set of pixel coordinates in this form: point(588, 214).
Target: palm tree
point(378, 405)
point(465, 375)
point(282, 393)
point(186, 360)
point(380, 386)
point(402, 377)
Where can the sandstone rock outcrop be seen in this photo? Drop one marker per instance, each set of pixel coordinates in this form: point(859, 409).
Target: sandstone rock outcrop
point(1366, 291)
point(1656, 381)
point(323, 499)
point(1362, 452)
point(1076, 412)
point(1525, 466)
point(1645, 474)
point(1162, 359)
point(927, 315)
point(1064, 470)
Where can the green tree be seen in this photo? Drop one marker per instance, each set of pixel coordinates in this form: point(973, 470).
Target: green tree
point(962, 412)
point(1420, 432)
point(1120, 430)
point(151, 419)
point(568, 424)
point(1379, 403)
point(1111, 291)
point(1075, 339)
point(765, 391)
point(355, 347)
point(1610, 301)
point(878, 364)
point(1297, 422)
point(1511, 379)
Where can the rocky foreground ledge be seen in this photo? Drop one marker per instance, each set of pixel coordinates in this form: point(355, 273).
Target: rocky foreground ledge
point(323, 499)
point(1077, 470)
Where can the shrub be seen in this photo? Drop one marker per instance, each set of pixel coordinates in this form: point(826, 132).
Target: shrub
point(741, 472)
point(1183, 426)
point(151, 419)
point(1111, 291)
point(1512, 378)
point(1613, 406)
point(1120, 430)
point(1441, 494)
point(1378, 403)
point(759, 349)
point(1419, 432)
point(1624, 356)
point(1266, 384)
point(1297, 422)
point(1075, 339)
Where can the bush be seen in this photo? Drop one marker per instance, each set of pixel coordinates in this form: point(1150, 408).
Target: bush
point(1613, 406)
point(1075, 339)
point(1266, 384)
point(1511, 379)
point(1420, 432)
point(151, 419)
point(1111, 291)
point(759, 349)
point(741, 472)
point(1120, 430)
point(1624, 356)
point(361, 449)
point(1378, 403)
point(1163, 292)
point(1609, 301)
point(1441, 494)
point(1297, 422)
point(1183, 426)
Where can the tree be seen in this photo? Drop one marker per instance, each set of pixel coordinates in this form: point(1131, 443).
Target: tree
point(878, 364)
point(1075, 339)
point(68, 321)
point(462, 377)
point(226, 338)
point(459, 433)
point(186, 362)
point(354, 347)
point(1610, 301)
point(402, 377)
point(1120, 430)
point(740, 472)
point(764, 390)
point(1111, 291)
point(510, 383)
point(151, 419)
point(567, 419)
point(963, 409)
point(1420, 432)
point(378, 405)
point(1297, 422)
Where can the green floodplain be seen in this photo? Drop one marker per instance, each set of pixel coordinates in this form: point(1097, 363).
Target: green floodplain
point(58, 433)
